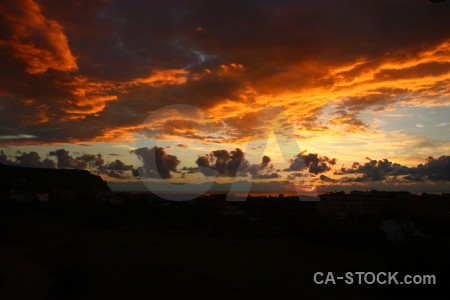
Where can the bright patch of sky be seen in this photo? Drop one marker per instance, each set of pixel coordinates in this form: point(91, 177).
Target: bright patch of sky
point(422, 121)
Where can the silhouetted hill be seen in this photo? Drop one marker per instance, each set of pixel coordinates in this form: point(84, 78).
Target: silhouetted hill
point(15, 179)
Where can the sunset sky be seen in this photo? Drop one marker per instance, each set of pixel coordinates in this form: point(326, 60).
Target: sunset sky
point(325, 94)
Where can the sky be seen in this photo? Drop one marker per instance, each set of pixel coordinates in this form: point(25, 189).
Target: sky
point(197, 96)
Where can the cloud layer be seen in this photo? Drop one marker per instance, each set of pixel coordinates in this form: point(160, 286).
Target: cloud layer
point(93, 70)
point(64, 160)
point(434, 170)
point(158, 164)
point(312, 162)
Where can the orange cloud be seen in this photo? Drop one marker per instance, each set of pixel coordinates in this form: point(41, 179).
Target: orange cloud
point(37, 41)
point(163, 77)
point(284, 57)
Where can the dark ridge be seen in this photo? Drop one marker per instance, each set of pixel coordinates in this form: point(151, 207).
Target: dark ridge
point(14, 179)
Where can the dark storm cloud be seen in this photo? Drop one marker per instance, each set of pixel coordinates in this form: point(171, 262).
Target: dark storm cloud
point(156, 163)
point(324, 178)
point(64, 160)
point(116, 169)
point(117, 30)
point(272, 175)
point(312, 162)
point(73, 74)
point(4, 159)
point(436, 170)
point(264, 170)
point(204, 165)
point(295, 175)
point(223, 163)
point(232, 164)
point(92, 162)
point(131, 37)
point(373, 170)
point(33, 160)
point(433, 169)
point(189, 170)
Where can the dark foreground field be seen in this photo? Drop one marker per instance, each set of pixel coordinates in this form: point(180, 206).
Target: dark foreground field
point(137, 249)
